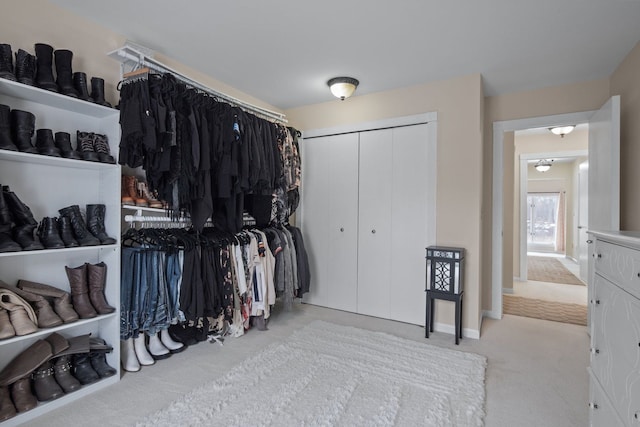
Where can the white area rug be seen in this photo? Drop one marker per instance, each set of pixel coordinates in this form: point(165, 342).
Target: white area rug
point(331, 375)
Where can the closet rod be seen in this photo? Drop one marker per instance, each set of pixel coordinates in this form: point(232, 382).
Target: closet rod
point(144, 61)
point(143, 218)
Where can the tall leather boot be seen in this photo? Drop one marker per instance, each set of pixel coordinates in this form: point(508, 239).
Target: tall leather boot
point(98, 357)
point(61, 300)
point(49, 234)
point(24, 222)
point(97, 91)
point(44, 72)
point(66, 232)
point(6, 62)
point(7, 244)
point(101, 146)
point(26, 362)
point(25, 67)
point(96, 278)
point(80, 85)
point(62, 372)
point(23, 124)
point(80, 231)
point(45, 143)
point(63, 59)
point(63, 142)
point(80, 291)
point(46, 317)
point(21, 314)
point(6, 141)
point(84, 143)
point(95, 223)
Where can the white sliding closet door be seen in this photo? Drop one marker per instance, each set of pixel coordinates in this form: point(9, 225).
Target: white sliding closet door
point(374, 243)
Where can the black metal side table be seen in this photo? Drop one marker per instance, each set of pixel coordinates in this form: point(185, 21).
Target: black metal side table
point(444, 280)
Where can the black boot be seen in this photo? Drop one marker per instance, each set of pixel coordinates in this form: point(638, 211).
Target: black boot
point(101, 146)
point(44, 72)
point(49, 234)
point(6, 62)
point(63, 142)
point(82, 369)
point(25, 67)
point(97, 91)
point(7, 244)
point(80, 85)
point(63, 59)
point(80, 231)
point(45, 143)
point(23, 124)
point(24, 222)
point(95, 223)
point(66, 232)
point(98, 355)
point(84, 142)
point(6, 142)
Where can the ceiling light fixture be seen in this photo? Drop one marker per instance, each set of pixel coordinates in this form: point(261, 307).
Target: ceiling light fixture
point(543, 165)
point(562, 130)
point(343, 87)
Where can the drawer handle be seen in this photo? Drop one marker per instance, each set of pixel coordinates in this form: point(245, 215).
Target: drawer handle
point(595, 302)
point(593, 405)
point(595, 351)
point(342, 229)
point(589, 241)
point(599, 255)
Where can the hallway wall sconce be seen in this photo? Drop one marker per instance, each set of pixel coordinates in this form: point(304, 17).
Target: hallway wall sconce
point(343, 87)
point(562, 130)
point(543, 165)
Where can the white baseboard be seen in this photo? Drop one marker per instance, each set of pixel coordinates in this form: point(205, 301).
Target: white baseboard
point(491, 314)
point(450, 329)
point(508, 291)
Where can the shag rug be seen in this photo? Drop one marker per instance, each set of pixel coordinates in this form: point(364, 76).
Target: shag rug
point(547, 269)
point(331, 375)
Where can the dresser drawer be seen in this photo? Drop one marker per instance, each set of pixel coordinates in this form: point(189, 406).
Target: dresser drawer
point(615, 347)
point(619, 264)
point(601, 413)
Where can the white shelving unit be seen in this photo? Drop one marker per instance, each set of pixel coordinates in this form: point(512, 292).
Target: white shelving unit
point(47, 184)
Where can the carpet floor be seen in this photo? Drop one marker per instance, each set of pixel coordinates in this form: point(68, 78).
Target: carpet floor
point(547, 269)
point(327, 374)
point(546, 310)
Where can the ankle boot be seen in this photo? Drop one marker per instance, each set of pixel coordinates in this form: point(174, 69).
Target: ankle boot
point(22, 395)
point(95, 223)
point(6, 62)
point(49, 234)
point(45, 143)
point(23, 124)
point(101, 146)
point(80, 291)
point(98, 357)
point(7, 410)
point(44, 72)
point(140, 348)
point(66, 232)
point(131, 188)
point(46, 317)
point(62, 373)
point(26, 362)
point(24, 222)
point(44, 384)
point(80, 85)
point(7, 244)
point(128, 357)
point(169, 343)
point(63, 142)
point(97, 91)
point(63, 59)
point(84, 142)
point(21, 314)
point(143, 190)
point(82, 369)
point(25, 67)
point(61, 299)
point(80, 231)
point(96, 278)
point(6, 142)
point(157, 350)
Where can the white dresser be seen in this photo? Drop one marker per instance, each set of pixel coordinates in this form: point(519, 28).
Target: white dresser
point(614, 304)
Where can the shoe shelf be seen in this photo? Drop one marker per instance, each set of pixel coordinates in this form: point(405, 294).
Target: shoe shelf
point(46, 185)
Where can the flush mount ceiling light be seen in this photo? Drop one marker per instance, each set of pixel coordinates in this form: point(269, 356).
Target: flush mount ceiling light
point(343, 87)
point(543, 165)
point(562, 130)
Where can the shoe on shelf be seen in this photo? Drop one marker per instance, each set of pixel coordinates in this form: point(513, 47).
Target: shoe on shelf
point(152, 202)
point(131, 196)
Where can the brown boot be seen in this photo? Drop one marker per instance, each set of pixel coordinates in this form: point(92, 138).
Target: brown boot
point(97, 276)
point(26, 362)
point(46, 317)
point(22, 396)
point(151, 200)
point(80, 291)
point(6, 328)
point(22, 317)
point(7, 410)
point(61, 299)
point(131, 187)
point(62, 372)
point(45, 385)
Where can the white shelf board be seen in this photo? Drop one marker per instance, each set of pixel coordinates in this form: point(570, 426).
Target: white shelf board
point(56, 251)
point(40, 159)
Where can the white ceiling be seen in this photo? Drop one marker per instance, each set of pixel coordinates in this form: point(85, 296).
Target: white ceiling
point(284, 51)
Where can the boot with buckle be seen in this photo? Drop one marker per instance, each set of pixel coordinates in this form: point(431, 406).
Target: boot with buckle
point(49, 234)
point(62, 373)
point(24, 222)
point(95, 223)
point(44, 384)
point(80, 231)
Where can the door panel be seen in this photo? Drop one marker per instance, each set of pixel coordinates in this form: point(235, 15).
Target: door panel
point(374, 235)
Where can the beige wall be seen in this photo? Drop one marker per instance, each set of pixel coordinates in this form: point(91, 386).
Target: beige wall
point(584, 96)
point(510, 189)
point(458, 103)
point(625, 81)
